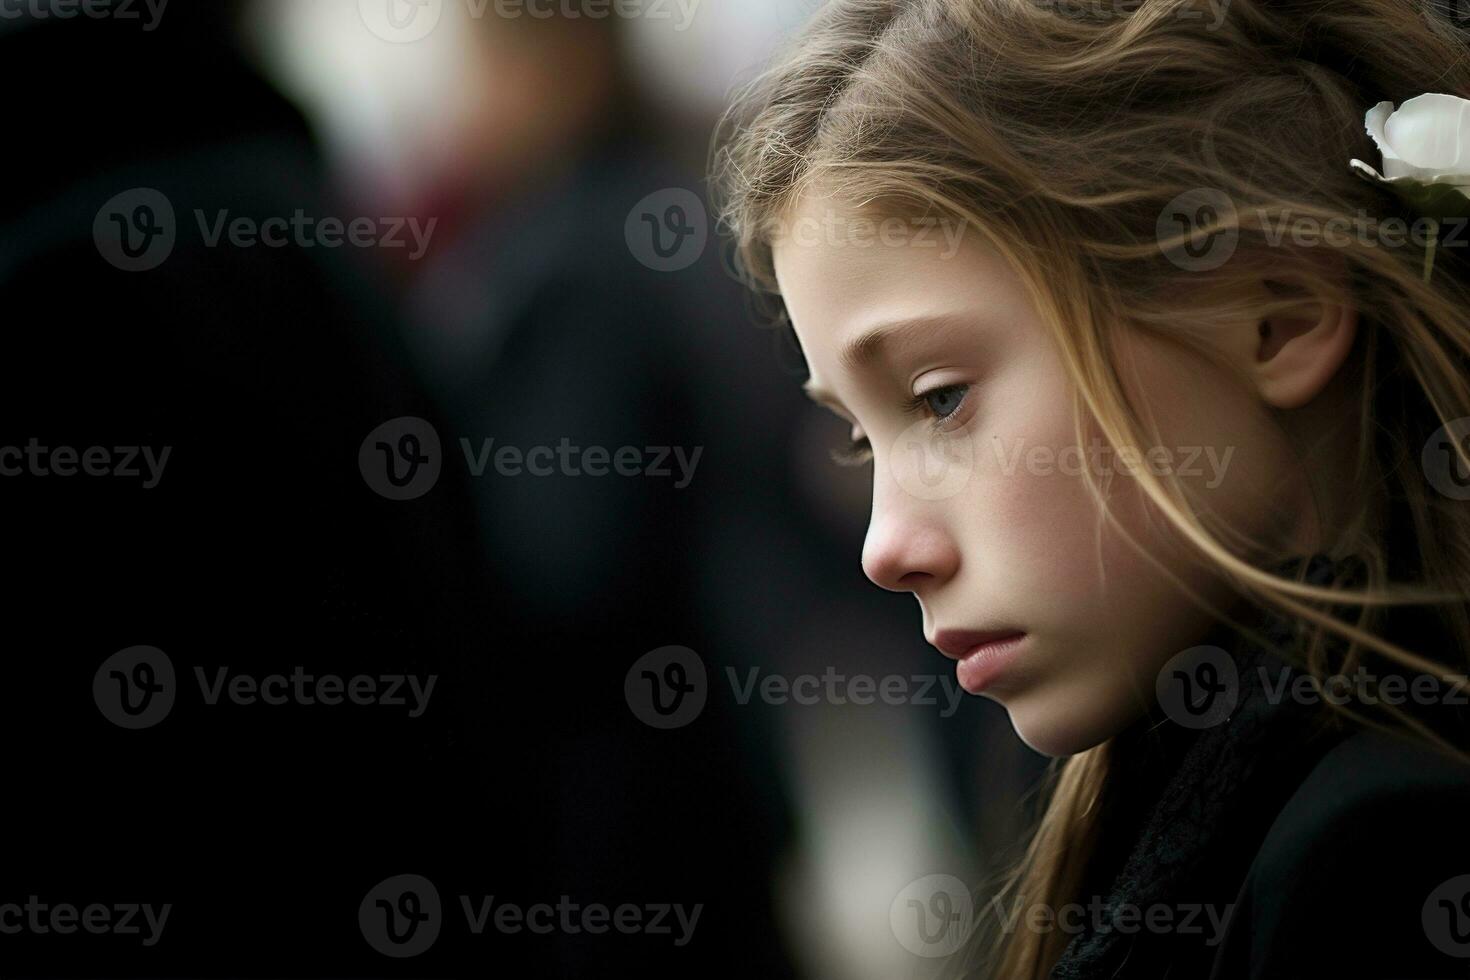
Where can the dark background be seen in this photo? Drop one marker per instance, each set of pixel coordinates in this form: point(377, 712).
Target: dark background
point(264, 548)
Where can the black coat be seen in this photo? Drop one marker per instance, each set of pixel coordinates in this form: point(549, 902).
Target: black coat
point(1278, 843)
point(1364, 873)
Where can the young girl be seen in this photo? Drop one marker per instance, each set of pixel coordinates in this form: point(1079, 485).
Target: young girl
point(1167, 407)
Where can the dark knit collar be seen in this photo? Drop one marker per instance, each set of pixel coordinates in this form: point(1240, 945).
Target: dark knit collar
point(1186, 808)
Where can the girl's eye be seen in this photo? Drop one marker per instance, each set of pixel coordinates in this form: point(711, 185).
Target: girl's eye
point(944, 402)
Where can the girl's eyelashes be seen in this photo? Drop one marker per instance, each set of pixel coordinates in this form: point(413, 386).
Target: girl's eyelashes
point(858, 453)
point(943, 404)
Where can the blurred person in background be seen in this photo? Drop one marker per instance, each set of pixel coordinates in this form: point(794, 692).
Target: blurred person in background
point(239, 382)
point(536, 325)
point(548, 314)
point(533, 316)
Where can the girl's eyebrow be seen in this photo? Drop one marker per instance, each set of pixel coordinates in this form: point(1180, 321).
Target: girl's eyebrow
point(861, 351)
point(872, 343)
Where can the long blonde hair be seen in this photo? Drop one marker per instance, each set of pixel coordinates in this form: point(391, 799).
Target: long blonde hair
point(1061, 132)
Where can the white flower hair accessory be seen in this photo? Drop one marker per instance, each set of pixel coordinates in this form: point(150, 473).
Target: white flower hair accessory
point(1425, 146)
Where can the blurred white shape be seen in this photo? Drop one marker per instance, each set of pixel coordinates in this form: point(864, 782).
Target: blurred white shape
point(873, 807)
point(691, 71)
point(392, 112)
point(390, 109)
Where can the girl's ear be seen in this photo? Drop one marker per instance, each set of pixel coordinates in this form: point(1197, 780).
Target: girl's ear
point(1298, 351)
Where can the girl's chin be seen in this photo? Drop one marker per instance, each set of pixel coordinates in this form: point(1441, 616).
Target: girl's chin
point(1058, 726)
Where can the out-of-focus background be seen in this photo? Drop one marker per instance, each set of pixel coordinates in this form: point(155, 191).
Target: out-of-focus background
point(392, 339)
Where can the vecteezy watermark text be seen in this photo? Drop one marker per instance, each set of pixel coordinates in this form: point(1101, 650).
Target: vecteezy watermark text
point(403, 458)
point(137, 230)
point(934, 916)
point(1074, 918)
point(310, 232)
point(840, 229)
point(1104, 460)
point(569, 459)
point(387, 690)
point(402, 916)
point(91, 9)
point(1200, 229)
point(1363, 686)
point(836, 687)
point(39, 460)
point(1201, 687)
point(668, 687)
point(135, 688)
point(407, 21)
point(63, 918)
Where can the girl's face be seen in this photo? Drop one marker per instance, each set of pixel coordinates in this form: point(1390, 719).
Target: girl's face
point(940, 362)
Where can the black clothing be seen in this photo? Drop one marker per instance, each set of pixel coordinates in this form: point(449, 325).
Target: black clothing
point(1276, 844)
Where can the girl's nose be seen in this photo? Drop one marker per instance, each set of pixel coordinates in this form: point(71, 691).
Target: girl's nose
point(907, 547)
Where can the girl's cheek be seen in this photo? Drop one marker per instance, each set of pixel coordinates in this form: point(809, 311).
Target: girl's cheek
point(1035, 510)
point(1218, 439)
point(1035, 529)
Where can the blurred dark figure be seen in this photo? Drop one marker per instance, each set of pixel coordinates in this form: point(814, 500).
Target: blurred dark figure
point(552, 320)
point(255, 544)
point(258, 545)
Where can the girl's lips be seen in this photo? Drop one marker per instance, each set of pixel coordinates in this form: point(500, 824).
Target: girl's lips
point(982, 656)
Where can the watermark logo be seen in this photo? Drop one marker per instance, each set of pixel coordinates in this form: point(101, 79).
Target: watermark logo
point(135, 688)
point(1366, 688)
point(929, 464)
point(150, 12)
point(838, 688)
point(401, 459)
point(680, 12)
point(1199, 688)
point(1197, 230)
point(667, 688)
point(401, 21)
point(569, 459)
point(63, 918)
point(1446, 917)
point(1444, 457)
point(401, 916)
point(1076, 918)
point(932, 916)
point(407, 21)
point(1200, 230)
point(574, 918)
point(944, 236)
point(668, 230)
point(301, 688)
point(1102, 460)
point(123, 462)
point(136, 230)
point(302, 230)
